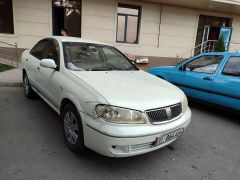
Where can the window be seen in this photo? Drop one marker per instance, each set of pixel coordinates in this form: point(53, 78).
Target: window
point(6, 17)
point(67, 14)
point(46, 49)
point(38, 49)
point(128, 23)
point(204, 64)
point(232, 67)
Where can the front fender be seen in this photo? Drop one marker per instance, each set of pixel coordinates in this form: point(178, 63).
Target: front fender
point(85, 107)
point(161, 74)
point(70, 97)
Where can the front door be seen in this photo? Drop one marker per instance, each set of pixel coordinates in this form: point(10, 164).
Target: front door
point(33, 64)
point(49, 78)
point(226, 32)
point(199, 75)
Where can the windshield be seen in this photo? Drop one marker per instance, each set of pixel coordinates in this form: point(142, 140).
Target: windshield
point(93, 57)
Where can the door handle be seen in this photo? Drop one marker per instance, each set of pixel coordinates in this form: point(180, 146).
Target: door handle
point(207, 79)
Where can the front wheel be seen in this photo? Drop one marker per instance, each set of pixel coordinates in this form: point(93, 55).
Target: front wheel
point(72, 128)
point(28, 91)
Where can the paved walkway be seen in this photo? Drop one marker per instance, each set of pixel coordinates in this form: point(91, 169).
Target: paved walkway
point(11, 78)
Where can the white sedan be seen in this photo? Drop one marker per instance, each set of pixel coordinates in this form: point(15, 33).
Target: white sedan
point(104, 101)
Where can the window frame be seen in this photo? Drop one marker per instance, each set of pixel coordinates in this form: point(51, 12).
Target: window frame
point(201, 57)
point(12, 23)
point(227, 74)
point(139, 8)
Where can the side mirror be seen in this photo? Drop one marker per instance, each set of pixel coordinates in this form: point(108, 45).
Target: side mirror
point(133, 62)
point(182, 68)
point(48, 63)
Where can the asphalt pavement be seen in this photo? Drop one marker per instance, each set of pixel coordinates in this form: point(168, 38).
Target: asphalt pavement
point(32, 147)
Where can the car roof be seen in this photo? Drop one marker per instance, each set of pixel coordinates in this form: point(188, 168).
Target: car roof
point(76, 39)
point(222, 53)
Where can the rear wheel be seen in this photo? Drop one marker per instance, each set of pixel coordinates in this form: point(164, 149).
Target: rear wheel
point(28, 91)
point(72, 128)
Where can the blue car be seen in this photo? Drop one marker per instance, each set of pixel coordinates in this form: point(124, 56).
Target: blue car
point(211, 77)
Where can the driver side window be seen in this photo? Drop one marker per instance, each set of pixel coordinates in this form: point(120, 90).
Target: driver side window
point(204, 64)
point(51, 51)
point(46, 49)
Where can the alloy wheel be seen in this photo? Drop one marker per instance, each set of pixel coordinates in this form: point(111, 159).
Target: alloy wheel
point(71, 127)
point(26, 85)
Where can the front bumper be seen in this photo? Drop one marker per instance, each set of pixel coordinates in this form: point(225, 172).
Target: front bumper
point(128, 140)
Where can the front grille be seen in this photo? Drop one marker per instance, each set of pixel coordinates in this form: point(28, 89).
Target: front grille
point(161, 115)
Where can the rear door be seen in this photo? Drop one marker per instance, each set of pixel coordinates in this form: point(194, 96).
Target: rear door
point(199, 75)
point(226, 85)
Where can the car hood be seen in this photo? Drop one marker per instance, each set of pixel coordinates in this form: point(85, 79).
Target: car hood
point(132, 89)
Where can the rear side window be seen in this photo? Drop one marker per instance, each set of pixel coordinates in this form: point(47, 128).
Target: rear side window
point(204, 64)
point(232, 67)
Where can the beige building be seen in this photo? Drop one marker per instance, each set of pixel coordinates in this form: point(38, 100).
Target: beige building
point(155, 28)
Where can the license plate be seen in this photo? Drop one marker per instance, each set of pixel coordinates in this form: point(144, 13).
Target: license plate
point(168, 137)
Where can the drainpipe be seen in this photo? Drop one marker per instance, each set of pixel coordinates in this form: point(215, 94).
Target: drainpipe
point(159, 28)
point(16, 49)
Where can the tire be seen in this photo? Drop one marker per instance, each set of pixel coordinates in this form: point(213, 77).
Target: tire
point(28, 91)
point(72, 129)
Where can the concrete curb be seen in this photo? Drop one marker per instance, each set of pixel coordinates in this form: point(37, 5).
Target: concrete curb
point(11, 84)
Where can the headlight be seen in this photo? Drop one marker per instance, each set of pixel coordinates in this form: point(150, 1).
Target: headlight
point(120, 115)
point(185, 104)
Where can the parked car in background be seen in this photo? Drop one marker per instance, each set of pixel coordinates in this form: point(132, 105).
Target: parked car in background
point(105, 102)
point(212, 77)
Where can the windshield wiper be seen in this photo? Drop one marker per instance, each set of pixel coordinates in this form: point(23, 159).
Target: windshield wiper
point(107, 68)
point(132, 68)
point(101, 69)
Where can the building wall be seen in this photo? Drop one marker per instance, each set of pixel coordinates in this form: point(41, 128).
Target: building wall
point(32, 21)
point(175, 34)
point(98, 20)
point(235, 46)
point(178, 30)
point(165, 30)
